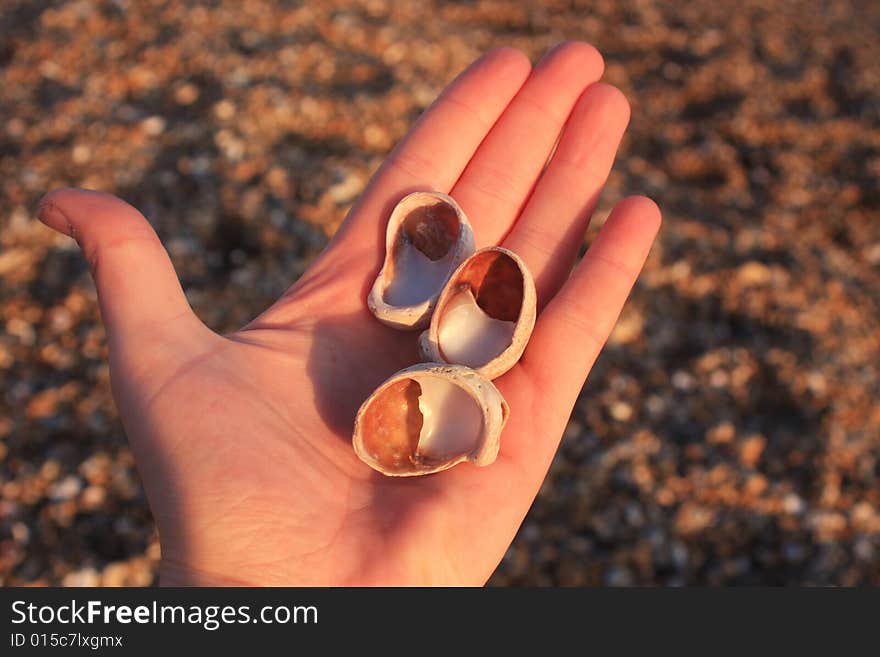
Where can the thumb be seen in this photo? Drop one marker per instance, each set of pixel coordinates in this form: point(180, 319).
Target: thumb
point(138, 290)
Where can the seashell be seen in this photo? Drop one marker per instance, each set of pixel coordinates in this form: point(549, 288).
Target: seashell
point(429, 417)
point(485, 314)
point(427, 237)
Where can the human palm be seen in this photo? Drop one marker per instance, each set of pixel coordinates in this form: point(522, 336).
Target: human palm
point(243, 441)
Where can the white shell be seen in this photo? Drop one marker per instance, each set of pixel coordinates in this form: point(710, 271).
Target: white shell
point(404, 430)
point(485, 315)
point(410, 281)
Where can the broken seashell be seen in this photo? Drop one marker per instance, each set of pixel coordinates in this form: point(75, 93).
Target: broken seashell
point(430, 417)
point(427, 237)
point(485, 314)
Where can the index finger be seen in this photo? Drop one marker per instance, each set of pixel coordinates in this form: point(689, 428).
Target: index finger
point(436, 150)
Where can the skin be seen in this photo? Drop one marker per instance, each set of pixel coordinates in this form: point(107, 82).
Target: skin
point(243, 441)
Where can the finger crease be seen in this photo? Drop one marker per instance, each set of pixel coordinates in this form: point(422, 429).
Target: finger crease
point(486, 178)
point(614, 263)
point(534, 239)
point(96, 251)
point(411, 163)
point(484, 123)
point(554, 116)
point(576, 316)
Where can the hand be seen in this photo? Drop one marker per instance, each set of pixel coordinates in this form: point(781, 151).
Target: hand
point(243, 441)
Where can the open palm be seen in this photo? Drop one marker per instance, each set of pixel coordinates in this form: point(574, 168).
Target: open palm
point(244, 441)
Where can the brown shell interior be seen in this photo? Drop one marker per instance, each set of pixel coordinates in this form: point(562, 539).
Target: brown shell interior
point(496, 282)
point(391, 425)
point(432, 229)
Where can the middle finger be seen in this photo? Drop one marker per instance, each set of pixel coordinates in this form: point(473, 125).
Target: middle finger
point(497, 181)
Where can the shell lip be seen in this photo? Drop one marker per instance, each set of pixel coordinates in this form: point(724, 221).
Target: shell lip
point(494, 408)
point(407, 318)
point(416, 316)
point(429, 341)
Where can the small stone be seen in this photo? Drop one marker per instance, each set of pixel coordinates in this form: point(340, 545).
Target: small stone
point(680, 554)
point(84, 577)
point(16, 128)
point(816, 382)
point(81, 154)
point(864, 517)
point(230, 145)
point(828, 525)
point(751, 449)
point(43, 404)
point(683, 380)
point(187, 94)
point(693, 518)
point(619, 576)
point(376, 136)
point(153, 125)
point(756, 484)
point(721, 434)
point(20, 532)
point(864, 549)
point(655, 405)
point(115, 574)
point(793, 504)
point(224, 110)
point(22, 330)
point(13, 261)
point(621, 411)
point(93, 497)
point(66, 489)
point(628, 328)
point(753, 273)
point(346, 189)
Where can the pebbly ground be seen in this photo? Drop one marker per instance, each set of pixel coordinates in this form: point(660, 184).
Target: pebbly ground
point(730, 432)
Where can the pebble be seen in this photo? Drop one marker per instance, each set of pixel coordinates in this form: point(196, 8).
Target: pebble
point(84, 577)
point(751, 450)
point(741, 377)
point(793, 504)
point(621, 411)
point(66, 489)
point(154, 125)
point(346, 189)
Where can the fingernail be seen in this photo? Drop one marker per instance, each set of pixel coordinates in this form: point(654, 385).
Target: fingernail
point(52, 216)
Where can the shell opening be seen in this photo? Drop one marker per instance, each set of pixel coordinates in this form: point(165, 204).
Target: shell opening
point(432, 229)
point(477, 322)
point(423, 254)
point(423, 422)
point(468, 335)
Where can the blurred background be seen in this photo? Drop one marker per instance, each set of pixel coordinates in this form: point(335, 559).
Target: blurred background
point(730, 432)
